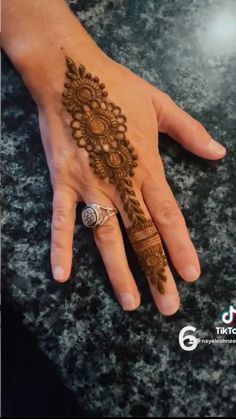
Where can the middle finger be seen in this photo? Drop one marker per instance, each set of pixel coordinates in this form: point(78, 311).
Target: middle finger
point(146, 242)
point(171, 224)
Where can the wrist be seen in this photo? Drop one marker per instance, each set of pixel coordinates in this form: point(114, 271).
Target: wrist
point(37, 38)
point(43, 69)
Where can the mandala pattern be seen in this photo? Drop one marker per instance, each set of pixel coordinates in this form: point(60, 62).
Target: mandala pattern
point(115, 164)
point(81, 87)
point(99, 126)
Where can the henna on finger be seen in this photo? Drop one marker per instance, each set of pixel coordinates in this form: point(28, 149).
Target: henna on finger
point(100, 127)
point(146, 243)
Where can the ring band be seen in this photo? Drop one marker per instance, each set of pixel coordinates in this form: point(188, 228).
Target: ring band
point(95, 215)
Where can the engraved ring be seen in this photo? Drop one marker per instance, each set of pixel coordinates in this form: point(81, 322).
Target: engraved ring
point(95, 215)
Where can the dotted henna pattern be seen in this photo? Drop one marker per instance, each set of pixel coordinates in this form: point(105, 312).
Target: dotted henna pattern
point(100, 127)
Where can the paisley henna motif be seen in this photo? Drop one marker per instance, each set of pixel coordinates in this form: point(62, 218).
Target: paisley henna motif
point(100, 127)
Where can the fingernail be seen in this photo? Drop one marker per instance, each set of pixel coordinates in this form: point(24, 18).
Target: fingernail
point(190, 273)
point(58, 273)
point(216, 148)
point(127, 301)
point(168, 305)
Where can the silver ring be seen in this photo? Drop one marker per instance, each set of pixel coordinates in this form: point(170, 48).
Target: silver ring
point(94, 215)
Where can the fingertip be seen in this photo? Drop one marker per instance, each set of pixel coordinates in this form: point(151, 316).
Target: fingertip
point(59, 274)
point(168, 304)
point(128, 301)
point(217, 150)
point(190, 273)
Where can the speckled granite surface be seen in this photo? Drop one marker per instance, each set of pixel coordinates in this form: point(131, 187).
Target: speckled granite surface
point(122, 364)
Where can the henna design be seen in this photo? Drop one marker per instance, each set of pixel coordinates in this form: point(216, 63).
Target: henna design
point(81, 87)
point(100, 127)
point(146, 242)
point(130, 203)
point(97, 125)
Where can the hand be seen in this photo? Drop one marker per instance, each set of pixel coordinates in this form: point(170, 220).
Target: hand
point(148, 111)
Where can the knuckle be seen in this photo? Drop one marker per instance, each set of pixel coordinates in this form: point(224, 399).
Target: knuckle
point(63, 218)
point(58, 245)
point(196, 125)
point(166, 97)
point(106, 235)
point(59, 217)
point(167, 100)
point(167, 214)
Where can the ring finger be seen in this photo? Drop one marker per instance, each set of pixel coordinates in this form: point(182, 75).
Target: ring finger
point(109, 241)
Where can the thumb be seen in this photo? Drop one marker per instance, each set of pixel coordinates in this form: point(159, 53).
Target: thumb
point(62, 231)
point(186, 130)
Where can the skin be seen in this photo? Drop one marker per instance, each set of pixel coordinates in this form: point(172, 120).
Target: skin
point(37, 38)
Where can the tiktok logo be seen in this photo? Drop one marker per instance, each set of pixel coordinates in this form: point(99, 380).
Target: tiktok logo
point(228, 316)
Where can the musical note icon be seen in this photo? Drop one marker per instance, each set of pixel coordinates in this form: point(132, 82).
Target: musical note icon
point(228, 316)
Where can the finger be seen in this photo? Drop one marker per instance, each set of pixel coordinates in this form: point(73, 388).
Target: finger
point(168, 303)
point(146, 243)
point(171, 224)
point(109, 241)
point(186, 130)
point(62, 230)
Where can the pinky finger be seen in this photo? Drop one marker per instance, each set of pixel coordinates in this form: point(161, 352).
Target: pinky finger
point(62, 230)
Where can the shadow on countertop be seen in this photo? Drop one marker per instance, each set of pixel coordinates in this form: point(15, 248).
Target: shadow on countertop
point(32, 386)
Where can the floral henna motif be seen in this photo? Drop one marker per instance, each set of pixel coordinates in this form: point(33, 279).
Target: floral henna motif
point(115, 164)
point(97, 125)
point(100, 127)
point(81, 87)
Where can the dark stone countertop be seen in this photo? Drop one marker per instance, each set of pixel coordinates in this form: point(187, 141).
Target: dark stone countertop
point(122, 364)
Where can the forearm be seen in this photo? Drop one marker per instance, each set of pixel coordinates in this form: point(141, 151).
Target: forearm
point(36, 38)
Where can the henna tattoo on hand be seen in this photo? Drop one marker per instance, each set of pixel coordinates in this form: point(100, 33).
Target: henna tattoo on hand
point(100, 127)
point(146, 242)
